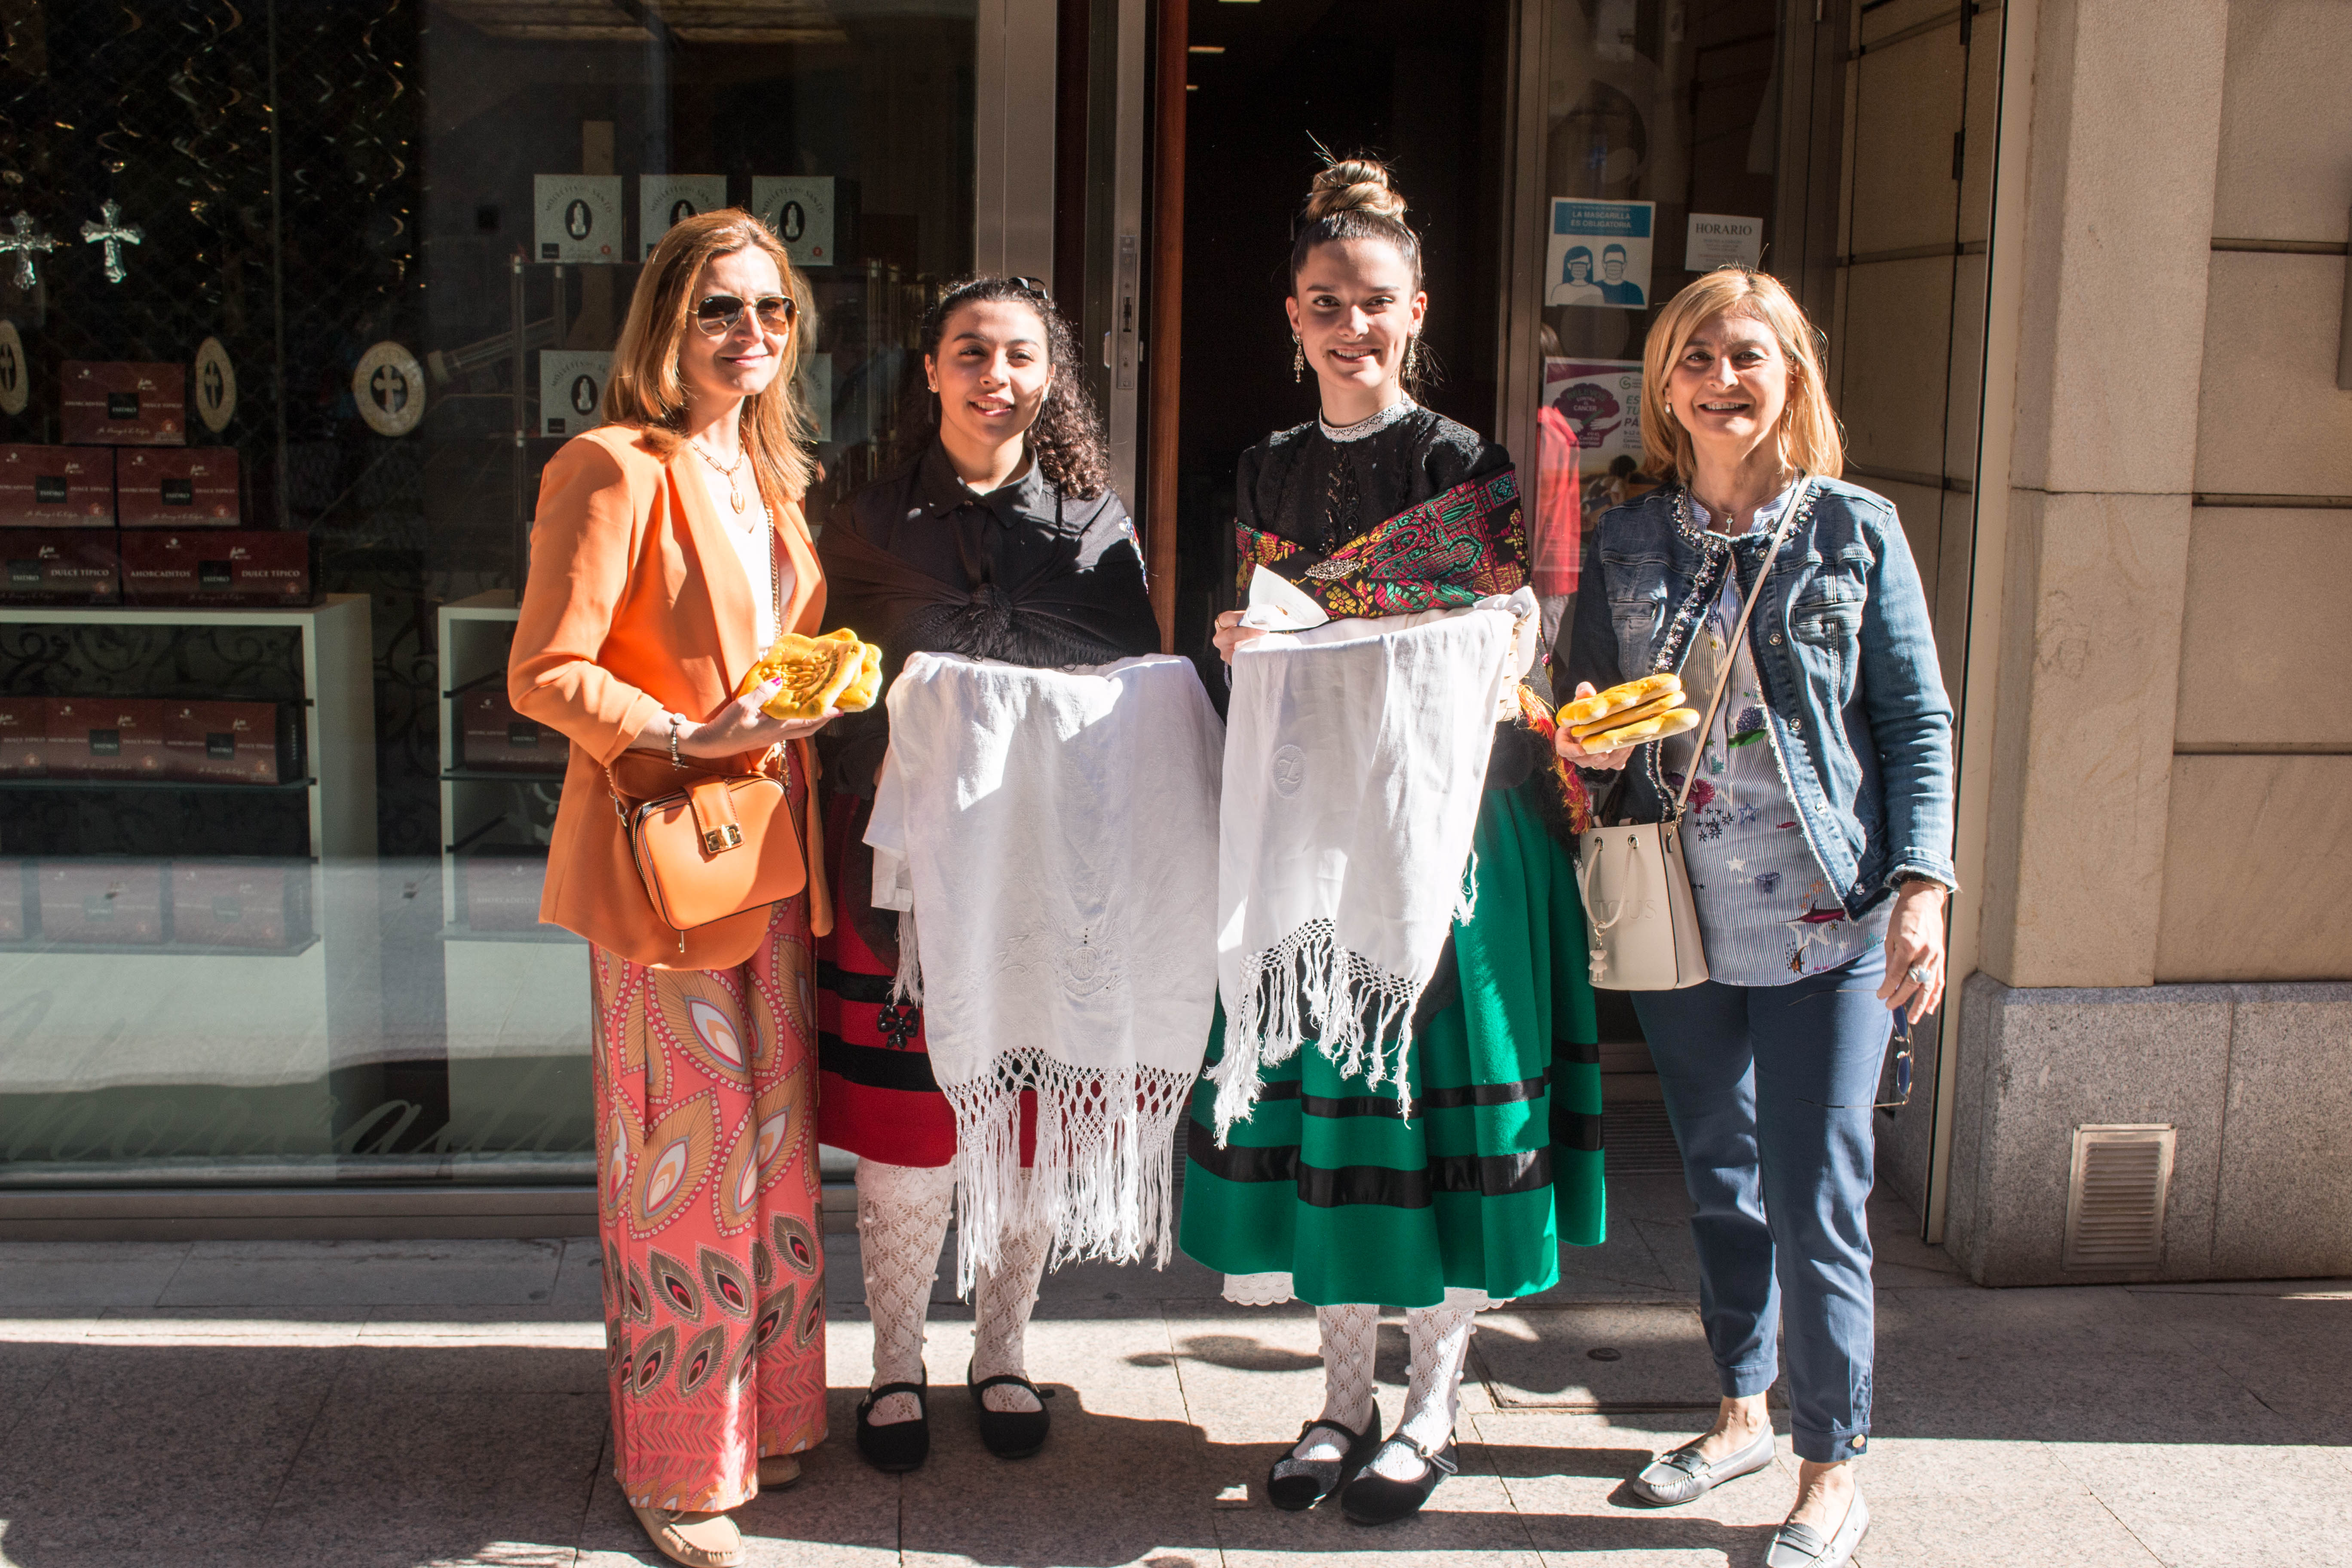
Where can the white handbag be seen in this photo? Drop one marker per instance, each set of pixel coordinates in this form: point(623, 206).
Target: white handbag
point(1640, 921)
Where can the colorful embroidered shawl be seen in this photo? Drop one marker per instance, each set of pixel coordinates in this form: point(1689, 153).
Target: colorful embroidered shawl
point(1451, 550)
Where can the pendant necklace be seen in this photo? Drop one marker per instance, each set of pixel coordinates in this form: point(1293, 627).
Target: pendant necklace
point(734, 493)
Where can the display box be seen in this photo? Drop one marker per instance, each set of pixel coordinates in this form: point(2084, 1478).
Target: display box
point(55, 487)
point(59, 566)
point(194, 486)
point(239, 903)
point(493, 737)
point(109, 738)
point(101, 901)
point(24, 739)
point(222, 743)
point(499, 887)
point(114, 404)
point(228, 566)
point(16, 906)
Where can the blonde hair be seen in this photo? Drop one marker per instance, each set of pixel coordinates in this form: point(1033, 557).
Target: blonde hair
point(1809, 437)
point(645, 389)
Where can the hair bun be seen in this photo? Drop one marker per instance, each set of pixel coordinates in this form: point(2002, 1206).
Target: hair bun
point(1353, 186)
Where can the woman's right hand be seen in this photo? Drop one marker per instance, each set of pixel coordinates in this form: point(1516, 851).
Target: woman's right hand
point(1231, 634)
point(1572, 753)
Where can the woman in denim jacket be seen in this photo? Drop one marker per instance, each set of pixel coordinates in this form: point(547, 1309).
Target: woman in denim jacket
point(1817, 834)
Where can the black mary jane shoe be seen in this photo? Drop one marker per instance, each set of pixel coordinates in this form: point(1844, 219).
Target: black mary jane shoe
point(1297, 1493)
point(1374, 1499)
point(900, 1446)
point(1011, 1434)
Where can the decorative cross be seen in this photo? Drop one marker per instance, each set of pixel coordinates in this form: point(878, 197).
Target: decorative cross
point(26, 242)
point(111, 232)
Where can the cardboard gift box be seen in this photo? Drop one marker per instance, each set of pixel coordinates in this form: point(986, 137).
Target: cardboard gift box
point(59, 566)
point(499, 887)
point(106, 737)
point(23, 740)
point(55, 487)
point(194, 486)
point(13, 922)
point(239, 903)
point(492, 735)
point(227, 566)
point(102, 900)
point(221, 742)
point(112, 404)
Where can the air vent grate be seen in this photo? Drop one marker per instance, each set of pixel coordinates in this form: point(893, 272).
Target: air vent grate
point(2115, 1197)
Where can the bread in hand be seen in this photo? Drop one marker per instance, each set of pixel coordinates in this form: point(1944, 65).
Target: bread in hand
point(1586, 710)
point(1650, 709)
point(832, 671)
point(1657, 727)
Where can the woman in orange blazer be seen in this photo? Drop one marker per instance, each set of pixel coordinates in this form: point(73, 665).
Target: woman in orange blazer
point(668, 552)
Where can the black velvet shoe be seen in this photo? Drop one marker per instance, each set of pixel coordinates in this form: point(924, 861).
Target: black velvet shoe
point(1011, 1434)
point(900, 1446)
point(1296, 1493)
point(1374, 1499)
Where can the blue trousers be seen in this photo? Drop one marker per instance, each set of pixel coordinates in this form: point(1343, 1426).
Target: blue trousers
point(1770, 1091)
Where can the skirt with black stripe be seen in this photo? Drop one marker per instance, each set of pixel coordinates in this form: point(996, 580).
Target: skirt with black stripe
point(1500, 1162)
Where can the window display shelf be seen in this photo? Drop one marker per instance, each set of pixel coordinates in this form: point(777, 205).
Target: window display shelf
point(231, 786)
point(338, 707)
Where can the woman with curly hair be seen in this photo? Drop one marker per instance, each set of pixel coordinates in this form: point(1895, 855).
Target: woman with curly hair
point(1001, 540)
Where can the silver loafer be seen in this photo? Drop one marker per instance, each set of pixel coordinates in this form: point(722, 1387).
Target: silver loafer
point(1682, 1475)
point(1796, 1546)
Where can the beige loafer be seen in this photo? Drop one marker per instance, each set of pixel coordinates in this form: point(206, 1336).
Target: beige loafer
point(778, 1472)
point(695, 1540)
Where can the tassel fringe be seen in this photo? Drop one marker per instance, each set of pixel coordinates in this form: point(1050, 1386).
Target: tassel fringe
point(908, 985)
point(1306, 986)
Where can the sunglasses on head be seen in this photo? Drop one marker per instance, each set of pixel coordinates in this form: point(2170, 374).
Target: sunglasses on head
point(717, 315)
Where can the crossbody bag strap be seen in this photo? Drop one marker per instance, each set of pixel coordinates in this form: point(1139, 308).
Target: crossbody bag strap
point(1738, 640)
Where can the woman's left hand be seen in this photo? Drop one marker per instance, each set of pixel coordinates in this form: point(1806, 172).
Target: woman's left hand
point(1915, 942)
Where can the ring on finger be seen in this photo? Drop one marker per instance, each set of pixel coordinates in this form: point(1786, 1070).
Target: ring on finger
point(1919, 973)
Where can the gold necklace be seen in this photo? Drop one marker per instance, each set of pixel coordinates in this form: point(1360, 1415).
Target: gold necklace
point(734, 493)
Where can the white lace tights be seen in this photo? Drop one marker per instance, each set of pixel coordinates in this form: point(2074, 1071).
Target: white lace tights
point(902, 1218)
point(1438, 1339)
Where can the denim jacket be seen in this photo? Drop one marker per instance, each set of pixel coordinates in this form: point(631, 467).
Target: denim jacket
point(1860, 724)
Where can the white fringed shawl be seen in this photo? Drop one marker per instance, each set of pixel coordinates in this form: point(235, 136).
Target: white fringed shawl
point(1355, 757)
point(1056, 831)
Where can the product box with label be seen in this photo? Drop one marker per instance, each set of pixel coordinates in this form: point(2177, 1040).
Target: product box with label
point(113, 404)
point(216, 566)
point(221, 742)
point(24, 739)
point(101, 901)
point(499, 887)
point(492, 735)
point(194, 487)
point(59, 566)
point(239, 903)
point(106, 737)
point(55, 487)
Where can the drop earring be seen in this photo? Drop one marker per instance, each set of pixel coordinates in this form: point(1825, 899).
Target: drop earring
point(1297, 359)
point(1412, 356)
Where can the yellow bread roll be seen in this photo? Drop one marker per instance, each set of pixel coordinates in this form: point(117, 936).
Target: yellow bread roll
point(818, 673)
point(1584, 711)
point(1647, 711)
point(1673, 721)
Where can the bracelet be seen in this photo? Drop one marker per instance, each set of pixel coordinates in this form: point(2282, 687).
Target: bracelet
point(674, 760)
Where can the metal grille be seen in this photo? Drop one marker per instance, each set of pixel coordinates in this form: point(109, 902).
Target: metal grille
point(1638, 1140)
point(2115, 1197)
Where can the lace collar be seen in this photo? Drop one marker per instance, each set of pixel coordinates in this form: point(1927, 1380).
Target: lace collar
point(1372, 425)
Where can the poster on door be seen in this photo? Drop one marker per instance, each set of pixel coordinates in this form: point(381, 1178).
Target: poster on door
point(571, 390)
point(1598, 253)
point(577, 218)
point(800, 209)
point(665, 201)
point(1601, 401)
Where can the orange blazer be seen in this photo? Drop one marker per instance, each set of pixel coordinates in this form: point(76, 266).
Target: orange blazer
point(636, 601)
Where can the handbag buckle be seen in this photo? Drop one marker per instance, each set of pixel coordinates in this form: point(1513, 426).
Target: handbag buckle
point(726, 836)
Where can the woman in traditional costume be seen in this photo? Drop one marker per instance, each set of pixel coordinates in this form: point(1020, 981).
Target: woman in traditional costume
point(1002, 539)
point(1438, 1137)
point(668, 553)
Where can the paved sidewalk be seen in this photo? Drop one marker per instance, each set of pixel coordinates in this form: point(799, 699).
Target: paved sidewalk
point(253, 1405)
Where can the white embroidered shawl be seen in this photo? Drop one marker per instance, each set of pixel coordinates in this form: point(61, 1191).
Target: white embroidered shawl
point(1355, 757)
point(1056, 831)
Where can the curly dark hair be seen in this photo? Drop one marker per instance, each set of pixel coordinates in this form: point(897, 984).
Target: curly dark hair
point(1068, 437)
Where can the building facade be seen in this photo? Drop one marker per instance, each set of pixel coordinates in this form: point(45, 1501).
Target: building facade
point(327, 284)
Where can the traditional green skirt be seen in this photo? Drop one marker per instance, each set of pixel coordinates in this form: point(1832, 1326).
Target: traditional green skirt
point(1501, 1160)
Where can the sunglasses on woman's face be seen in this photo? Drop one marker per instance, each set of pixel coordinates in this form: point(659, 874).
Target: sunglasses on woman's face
point(717, 314)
